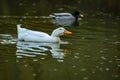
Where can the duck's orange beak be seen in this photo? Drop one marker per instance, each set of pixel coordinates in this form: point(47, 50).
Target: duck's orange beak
point(67, 32)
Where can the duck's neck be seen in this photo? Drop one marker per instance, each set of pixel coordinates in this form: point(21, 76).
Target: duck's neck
point(76, 14)
point(55, 38)
point(54, 35)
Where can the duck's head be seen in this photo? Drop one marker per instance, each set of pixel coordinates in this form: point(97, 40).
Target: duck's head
point(77, 14)
point(60, 31)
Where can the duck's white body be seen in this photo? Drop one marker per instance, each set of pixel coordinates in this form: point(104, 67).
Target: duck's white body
point(35, 36)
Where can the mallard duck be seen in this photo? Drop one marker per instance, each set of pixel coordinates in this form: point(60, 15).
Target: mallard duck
point(65, 15)
point(65, 19)
point(36, 36)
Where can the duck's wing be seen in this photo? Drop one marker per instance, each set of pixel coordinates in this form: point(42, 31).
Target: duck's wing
point(36, 33)
point(23, 33)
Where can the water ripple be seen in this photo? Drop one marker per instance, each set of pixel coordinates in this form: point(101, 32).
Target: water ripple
point(32, 49)
point(7, 39)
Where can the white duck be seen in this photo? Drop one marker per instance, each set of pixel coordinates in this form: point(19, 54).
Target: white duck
point(35, 36)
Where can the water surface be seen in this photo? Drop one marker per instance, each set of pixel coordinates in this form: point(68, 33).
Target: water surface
point(90, 53)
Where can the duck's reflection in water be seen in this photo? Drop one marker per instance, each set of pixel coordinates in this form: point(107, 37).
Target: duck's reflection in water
point(31, 59)
point(65, 22)
point(31, 49)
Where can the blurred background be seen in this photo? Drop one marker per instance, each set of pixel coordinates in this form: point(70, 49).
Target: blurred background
point(46, 7)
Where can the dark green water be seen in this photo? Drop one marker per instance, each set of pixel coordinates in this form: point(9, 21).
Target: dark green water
point(92, 52)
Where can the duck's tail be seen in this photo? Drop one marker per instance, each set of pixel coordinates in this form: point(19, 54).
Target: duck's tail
point(20, 31)
point(19, 25)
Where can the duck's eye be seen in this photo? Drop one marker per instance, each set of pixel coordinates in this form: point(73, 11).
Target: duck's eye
point(60, 29)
